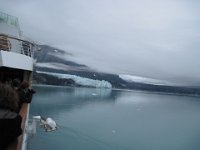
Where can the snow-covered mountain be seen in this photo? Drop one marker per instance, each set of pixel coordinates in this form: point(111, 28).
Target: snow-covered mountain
point(53, 66)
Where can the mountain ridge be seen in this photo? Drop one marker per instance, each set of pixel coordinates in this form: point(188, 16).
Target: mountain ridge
point(50, 59)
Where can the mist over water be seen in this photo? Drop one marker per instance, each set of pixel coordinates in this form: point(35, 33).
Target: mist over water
point(104, 119)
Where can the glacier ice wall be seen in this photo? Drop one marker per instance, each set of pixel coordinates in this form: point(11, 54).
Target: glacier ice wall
point(81, 80)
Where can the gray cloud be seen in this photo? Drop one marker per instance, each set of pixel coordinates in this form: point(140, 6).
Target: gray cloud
point(151, 38)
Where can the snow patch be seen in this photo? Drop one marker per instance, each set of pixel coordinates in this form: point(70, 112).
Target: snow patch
point(60, 66)
point(130, 78)
point(46, 65)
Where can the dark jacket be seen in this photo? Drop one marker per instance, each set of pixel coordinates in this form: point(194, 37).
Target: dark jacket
point(10, 127)
point(25, 96)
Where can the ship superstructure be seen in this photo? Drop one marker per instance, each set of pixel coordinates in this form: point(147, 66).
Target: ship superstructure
point(16, 61)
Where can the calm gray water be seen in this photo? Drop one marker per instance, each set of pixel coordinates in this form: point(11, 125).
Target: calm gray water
point(103, 119)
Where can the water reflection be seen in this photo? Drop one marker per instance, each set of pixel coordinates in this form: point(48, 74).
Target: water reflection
point(51, 99)
point(101, 119)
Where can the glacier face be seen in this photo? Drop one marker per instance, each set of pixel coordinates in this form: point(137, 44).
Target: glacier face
point(81, 80)
point(130, 78)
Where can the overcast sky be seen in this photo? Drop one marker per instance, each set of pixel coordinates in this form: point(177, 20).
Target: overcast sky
point(150, 38)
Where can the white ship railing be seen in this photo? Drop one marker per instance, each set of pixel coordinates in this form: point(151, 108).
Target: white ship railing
point(13, 44)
